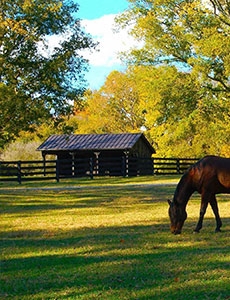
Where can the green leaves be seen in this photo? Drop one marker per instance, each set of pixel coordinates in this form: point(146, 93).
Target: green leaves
point(193, 33)
point(186, 108)
point(40, 82)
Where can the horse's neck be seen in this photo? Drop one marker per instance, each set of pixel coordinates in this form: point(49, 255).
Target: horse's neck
point(183, 191)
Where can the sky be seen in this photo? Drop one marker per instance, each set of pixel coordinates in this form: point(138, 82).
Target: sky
point(98, 19)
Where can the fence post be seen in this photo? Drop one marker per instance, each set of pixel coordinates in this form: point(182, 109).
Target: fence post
point(125, 164)
point(19, 172)
point(126, 167)
point(57, 170)
point(44, 167)
point(91, 167)
point(153, 164)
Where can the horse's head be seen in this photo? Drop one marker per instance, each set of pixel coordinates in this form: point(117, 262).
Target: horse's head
point(177, 217)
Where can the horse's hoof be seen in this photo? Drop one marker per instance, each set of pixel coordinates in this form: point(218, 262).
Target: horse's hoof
point(196, 231)
point(217, 230)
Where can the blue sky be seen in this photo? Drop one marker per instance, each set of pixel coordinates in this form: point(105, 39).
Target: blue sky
point(93, 9)
point(98, 20)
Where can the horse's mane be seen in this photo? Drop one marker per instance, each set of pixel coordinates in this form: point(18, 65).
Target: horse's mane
point(184, 188)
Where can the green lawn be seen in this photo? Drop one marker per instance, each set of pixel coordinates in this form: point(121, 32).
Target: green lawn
point(108, 238)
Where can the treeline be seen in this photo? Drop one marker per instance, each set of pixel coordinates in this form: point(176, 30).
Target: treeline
point(163, 102)
point(176, 87)
point(169, 106)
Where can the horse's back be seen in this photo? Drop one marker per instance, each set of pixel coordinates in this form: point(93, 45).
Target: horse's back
point(214, 173)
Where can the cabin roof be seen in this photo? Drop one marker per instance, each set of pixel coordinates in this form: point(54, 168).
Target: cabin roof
point(66, 142)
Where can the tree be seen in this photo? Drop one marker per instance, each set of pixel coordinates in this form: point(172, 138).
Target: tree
point(166, 98)
point(193, 35)
point(114, 107)
point(38, 81)
point(121, 91)
point(177, 118)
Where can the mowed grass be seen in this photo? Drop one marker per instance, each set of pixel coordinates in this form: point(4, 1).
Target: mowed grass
point(109, 238)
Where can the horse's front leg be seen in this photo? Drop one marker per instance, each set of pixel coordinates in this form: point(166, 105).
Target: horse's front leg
point(203, 207)
point(215, 209)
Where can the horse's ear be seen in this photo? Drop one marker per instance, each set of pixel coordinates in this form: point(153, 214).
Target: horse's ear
point(169, 202)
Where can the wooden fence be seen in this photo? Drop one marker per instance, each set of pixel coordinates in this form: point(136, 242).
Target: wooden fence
point(90, 167)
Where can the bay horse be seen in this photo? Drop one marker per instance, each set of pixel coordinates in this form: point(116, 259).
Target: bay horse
point(209, 176)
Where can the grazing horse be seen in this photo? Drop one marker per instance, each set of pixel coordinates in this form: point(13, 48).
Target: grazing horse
point(209, 176)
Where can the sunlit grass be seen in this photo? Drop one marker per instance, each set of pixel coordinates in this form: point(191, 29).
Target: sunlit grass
point(99, 181)
point(109, 239)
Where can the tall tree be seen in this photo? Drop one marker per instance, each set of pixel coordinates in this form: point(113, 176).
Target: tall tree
point(39, 80)
point(194, 35)
point(164, 102)
point(114, 107)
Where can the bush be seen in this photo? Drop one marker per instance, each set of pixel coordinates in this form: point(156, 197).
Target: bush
point(19, 150)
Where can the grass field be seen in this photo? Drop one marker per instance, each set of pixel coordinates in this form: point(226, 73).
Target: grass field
point(108, 238)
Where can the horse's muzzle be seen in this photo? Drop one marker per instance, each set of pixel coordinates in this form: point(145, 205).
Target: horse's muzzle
point(175, 231)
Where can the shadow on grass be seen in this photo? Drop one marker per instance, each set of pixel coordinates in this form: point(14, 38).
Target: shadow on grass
point(24, 201)
point(108, 262)
point(125, 262)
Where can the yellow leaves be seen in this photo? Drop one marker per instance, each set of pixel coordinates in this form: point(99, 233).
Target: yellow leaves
point(97, 117)
point(19, 27)
point(225, 150)
point(214, 43)
point(227, 63)
point(55, 7)
point(27, 4)
point(51, 7)
point(22, 26)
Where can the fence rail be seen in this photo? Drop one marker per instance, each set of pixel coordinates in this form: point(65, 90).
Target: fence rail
point(121, 166)
point(170, 166)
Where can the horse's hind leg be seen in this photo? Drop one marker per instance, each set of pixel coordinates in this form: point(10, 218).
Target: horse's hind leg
point(215, 209)
point(203, 207)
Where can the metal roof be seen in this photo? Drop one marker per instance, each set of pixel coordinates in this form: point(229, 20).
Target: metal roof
point(72, 142)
